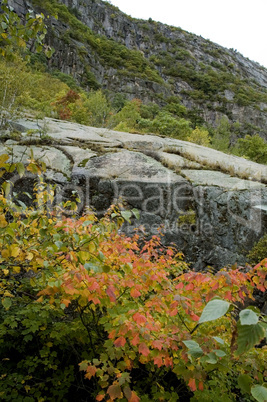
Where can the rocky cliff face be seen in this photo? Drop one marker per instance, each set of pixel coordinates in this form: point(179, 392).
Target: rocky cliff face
point(102, 47)
point(213, 216)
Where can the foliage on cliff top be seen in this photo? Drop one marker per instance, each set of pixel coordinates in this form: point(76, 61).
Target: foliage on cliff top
point(208, 77)
point(110, 52)
point(30, 89)
point(138, 323)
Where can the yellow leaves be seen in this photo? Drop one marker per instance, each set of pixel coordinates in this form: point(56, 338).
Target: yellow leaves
point(39, 261)
point(256, 280)
point(84, 255)
point(11, 251)
point(34, 168)
point(3, 158)
point(32, 282)
point(40, 300)
point(83, 301)
point(29, 256)
point(5, 253)
point(16, 269)
point(191, 367)
point(3, 222)
point(2, 198)
point(92, 247)
point(7, 294)
point(15, 250)
point(21, 43)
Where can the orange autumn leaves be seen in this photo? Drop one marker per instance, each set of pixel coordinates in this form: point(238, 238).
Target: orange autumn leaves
point(148, 300)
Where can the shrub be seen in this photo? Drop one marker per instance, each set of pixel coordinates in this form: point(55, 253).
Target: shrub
point(253, 147)
point(62, 105)
point(128, 117)
point(175, 107)
point(222, 134)
point(166, 124)
point(76, 290)
point(66, 78)
point(199, 136)
point(258, 252)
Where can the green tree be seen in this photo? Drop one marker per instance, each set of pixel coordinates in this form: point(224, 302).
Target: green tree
point(166, 124)
point(118, 102)
point(222, 134)
point(98, 108)
point(253, 147)
point(175, 107)
point(128, 117)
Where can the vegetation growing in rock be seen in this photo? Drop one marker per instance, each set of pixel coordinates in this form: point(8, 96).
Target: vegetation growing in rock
point(166, 60)
point(258, 252)
point(32, 88)
point(111, 53)
point(89, 313)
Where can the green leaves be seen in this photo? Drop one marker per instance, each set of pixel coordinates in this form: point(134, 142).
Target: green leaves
point(250, 330)
point(14, 34)
point(20, 168)
point(193, 348)
point(248, 336)
point(6, 187)
point(136, 213)
point(244, 383)
point(248, 317)
point(219, 340)
point(7, 303)
point(259, 393)
point(78, 284)
point(216, 308)
point(126, 215)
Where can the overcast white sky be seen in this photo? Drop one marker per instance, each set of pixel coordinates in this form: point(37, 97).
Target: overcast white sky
point(238, 24)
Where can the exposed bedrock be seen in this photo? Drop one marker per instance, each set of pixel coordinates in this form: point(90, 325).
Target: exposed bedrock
point(213, 206)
